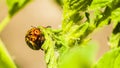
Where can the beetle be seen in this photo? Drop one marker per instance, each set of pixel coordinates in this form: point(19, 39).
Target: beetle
point(34, 38)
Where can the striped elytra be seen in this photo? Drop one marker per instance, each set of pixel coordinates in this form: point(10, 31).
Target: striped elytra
point(34, 38)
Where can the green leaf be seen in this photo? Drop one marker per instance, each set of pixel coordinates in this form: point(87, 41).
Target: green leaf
point(71, 11)
point(98, 4)
point(15, 5)
point(109, 59)
point(78, 56)
point(105, 11)
point(115, 16)
point(5, 59)
point(60, 2)
point(75, 32)
point(114, 39)
point(77, 4)
point(114, 4)
point(49, 48)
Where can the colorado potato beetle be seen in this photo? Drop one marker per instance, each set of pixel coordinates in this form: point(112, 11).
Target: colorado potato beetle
point(34, 38)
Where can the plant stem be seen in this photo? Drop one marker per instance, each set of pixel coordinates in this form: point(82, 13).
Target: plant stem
point(5, 59)
point(4, 23)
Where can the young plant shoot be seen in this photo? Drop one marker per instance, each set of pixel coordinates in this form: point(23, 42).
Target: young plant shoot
point(70, 46)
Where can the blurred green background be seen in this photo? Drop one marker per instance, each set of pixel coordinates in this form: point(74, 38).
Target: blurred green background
point(38, 13)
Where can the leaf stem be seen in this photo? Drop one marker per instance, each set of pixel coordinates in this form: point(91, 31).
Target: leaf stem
point(5, 59)
point(4, 23)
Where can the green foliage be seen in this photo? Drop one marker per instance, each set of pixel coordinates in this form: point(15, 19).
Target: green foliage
point(59, 51)
point(115, 37)
point(69, 47)
point(98, 4)
point(110, 59)
point(15, 5)
point(59, 2)
point(49, 47)
point(73, 12)
point(78, 56)
point(5, 59)
point(105, 12)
